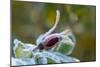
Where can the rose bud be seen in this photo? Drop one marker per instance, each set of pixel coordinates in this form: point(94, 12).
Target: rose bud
point(50, 41)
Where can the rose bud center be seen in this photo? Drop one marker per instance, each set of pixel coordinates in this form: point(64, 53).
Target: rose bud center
point(51, 41)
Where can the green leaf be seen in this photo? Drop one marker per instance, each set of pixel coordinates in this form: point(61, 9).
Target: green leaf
point(39, 58)
point(22, 61)
point(51, 57)
point(50, 61)
point(21, 51)
point(67, 44)
point(65, 58)
point(64, 47)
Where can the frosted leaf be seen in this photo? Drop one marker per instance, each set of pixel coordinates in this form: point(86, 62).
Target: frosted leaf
point(65, 58)
point(64, 47)
point(67, 44)
point(52, 56)
point(18, 46)
point(43, 60)
point(16, 62)
point(43, 57)
point(67, 34)
point(28, 61)
point(24, 61)
point(40, 58)
point(22, 49)
point(16, 42)
point(29, 47)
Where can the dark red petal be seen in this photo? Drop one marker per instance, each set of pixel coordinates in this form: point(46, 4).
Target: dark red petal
point(52, 42)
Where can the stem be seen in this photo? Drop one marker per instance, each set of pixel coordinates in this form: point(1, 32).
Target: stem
point(55, 25)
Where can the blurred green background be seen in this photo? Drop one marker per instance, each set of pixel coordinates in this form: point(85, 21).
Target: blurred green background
point(30, 19)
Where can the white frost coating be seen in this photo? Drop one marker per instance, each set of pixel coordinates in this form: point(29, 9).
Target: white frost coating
point(76, 60)
point(52, 56)
point(16, 62)
point(29, 47)
point(65, 32)
point(36, 53)
point(44, 55)
point(67, 43)
point(72, 35)
point(66, 39)
point(28, 61)
point(24, 61)
point(16, 43)
point(65, 58)
point(43, 60)
point(41, 57)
